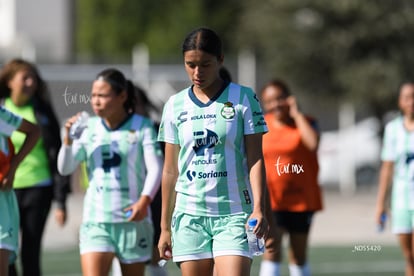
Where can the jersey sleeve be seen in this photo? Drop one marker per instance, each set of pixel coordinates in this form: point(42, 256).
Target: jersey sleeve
point(168, 131)
point(66, 162)
point(9, 122)
point(388, 152)
point(253, 115)
point(153, 161)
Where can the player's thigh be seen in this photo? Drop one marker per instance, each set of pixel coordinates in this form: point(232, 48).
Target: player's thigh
point(96, 263)
point(274, 241)
point(4, 261)
point(203, 267)
point(134, 269)
point(406, 241)
point(232, 265)
point(298, 247)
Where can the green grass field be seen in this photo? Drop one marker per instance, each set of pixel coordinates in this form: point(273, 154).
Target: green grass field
point(341, 261)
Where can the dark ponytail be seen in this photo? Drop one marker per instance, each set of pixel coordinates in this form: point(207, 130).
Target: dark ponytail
point(119, 83)
point(131, 101)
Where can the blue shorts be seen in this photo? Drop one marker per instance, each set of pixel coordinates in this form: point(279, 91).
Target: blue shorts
point(132, 242)
point(201, 237)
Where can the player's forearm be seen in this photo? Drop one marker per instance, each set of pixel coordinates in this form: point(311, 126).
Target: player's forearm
point(257, 173)
point(385, 180)
point(32, 136)
point(257, 177)
point(66, 161)
point(152, 183)
point(310, 137)
point(168, 195)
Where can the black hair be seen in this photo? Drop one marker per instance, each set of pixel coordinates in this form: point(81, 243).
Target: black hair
point(280, 84)
point(225, 74)
point(142, 98)
point(119, 83)
point(10, 69)
point(203, 39)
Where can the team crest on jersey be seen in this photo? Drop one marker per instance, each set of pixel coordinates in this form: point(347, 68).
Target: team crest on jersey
point(228, 111)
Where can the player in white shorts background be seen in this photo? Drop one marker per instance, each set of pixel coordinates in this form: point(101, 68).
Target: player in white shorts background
point(124, 163)
point(9, 211)
point(213, 177)
point(397, 175)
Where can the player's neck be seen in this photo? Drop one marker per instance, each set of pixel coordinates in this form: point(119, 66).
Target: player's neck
point(207, 93)
point(115, 120)
point(19, 100)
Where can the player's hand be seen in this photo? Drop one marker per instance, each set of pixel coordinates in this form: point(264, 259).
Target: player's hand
point(6, 183)
point(60, 216)
point(139, 210)
point(262, 227)
point(293, 106)
point(164, 245)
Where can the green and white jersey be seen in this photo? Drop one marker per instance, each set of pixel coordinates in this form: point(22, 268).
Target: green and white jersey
point(9, 122)
point(398, 146)
point(213, 176)
point(119, 163)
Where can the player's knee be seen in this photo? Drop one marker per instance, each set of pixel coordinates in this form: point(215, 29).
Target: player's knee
point(409, 258)
point(273, 247)
point(298, 260)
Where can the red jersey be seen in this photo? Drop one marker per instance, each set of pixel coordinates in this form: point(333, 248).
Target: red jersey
point(291, 170)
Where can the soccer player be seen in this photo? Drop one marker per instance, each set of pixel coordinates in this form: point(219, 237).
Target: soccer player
point(124, 163)
point(397, 174)
point(290, 154)
point(213, 177)
point(9, 212)
point(145, 107)
point(37, 184)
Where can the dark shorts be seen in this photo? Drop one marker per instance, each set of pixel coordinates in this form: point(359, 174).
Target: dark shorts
point(156, 216)
point(293, 222)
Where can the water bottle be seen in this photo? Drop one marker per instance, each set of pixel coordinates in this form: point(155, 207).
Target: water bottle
point(381, 226)
point(163, 262)
point(128, 213)
point(256, 245)
point(79, 125)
